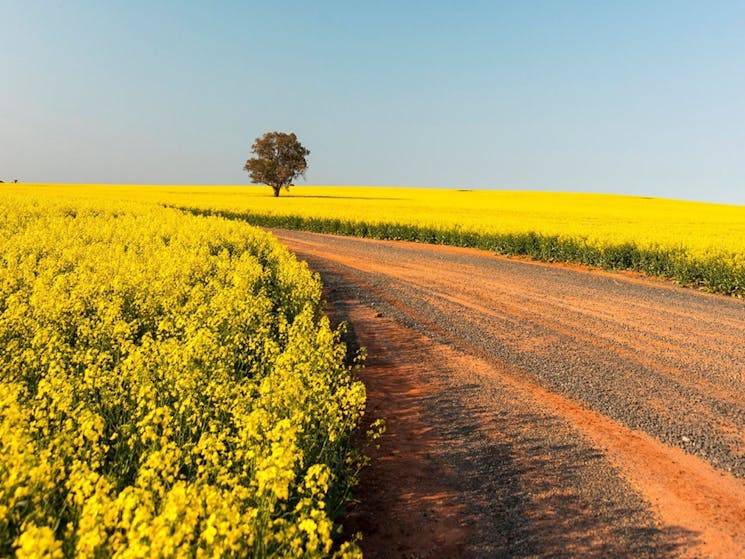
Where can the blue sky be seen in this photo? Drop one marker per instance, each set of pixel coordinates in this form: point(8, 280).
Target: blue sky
point(629, 97)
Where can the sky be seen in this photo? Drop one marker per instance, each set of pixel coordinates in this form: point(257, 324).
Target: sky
point(634, 97)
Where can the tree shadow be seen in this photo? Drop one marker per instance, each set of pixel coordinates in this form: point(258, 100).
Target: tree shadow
point(326, 196)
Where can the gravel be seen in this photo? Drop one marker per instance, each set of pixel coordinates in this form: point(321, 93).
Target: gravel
point(651, 356)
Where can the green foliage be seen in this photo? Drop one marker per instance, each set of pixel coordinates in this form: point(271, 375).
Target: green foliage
point(279, 159)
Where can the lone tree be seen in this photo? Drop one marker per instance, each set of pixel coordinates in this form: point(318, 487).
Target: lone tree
point(279, 159)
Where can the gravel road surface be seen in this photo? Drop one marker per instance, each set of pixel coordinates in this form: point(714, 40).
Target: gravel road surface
point(539, 410)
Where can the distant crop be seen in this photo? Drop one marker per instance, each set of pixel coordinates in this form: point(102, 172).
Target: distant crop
point(696, 244)
point(167, 388)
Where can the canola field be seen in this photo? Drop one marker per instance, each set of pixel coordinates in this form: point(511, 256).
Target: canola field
point(696, 244)
point(168, 386)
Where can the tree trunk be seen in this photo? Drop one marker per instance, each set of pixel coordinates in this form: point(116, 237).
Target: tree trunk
point(276, 190)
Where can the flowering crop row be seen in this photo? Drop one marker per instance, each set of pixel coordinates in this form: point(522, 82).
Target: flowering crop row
point(167, 388)
point(713, 271)
point(696, 244)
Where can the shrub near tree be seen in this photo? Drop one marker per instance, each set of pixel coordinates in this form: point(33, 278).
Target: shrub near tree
point(279, 159)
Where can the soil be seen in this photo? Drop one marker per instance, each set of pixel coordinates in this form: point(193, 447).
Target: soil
point(535, 410)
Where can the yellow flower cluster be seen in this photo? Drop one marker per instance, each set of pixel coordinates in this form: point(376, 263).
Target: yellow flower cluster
point(167, 388)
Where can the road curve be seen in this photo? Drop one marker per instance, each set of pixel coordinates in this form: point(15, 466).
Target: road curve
point(539, 410)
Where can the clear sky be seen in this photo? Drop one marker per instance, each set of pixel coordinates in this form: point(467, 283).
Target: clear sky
point(636, 97)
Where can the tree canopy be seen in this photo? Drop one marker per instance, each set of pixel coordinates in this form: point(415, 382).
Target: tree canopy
point(279, 159)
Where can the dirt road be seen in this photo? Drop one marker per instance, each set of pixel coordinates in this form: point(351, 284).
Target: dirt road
point(537, 410)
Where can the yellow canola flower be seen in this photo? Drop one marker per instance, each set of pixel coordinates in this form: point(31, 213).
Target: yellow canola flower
point(38, 542)
point(166, 388)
